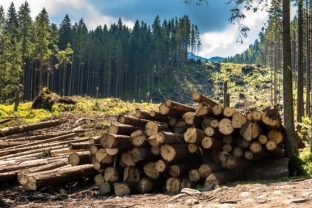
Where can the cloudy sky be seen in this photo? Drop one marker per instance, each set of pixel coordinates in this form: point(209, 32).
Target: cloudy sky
point(217, 36)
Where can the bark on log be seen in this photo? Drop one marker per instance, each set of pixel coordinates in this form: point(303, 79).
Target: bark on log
point(124, 129)
point(203, 109)
point(30, 127)
point(158, 116)
point(250, 131)
point(228, 139)
point(167, 137)
point(199, 98)
point(191, 118)
point(272, 118)
point(170, 112)
point(117, 141)
point(209, 122)
point(174, 152)
point(221, 177)
point(211, 143)
point(193, 135)
point(180, 127)
point(61, 176)
point(79, 158)
point(142, 114)
point(206, 169)
point(179, 106)
point(142, 153)
point(79, 146)
point(183, 167)
point(274, 149)
point(131, 120)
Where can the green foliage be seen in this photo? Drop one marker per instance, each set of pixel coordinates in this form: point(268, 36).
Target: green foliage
point(306, 161)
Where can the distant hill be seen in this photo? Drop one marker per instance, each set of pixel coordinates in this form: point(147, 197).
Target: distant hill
point(191, 55)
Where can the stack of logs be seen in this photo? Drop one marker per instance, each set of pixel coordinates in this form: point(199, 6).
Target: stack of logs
point(149, 151)
point(183, 146)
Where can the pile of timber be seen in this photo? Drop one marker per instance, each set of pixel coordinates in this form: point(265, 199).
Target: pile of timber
point(183, 146)
point(38, 160)
point(174, 147)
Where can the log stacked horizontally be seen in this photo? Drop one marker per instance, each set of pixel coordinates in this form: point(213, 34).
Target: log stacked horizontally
point(182, 146)
point(155, 151)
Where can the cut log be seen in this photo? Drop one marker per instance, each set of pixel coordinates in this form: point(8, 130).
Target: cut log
point(256, 115)
point(169, 137)
point(142, 114)
point(155, 150)
point(138, 132)
point(126, 159)
point(152, 128)
point(274, 149)
point(79, 158)
point(142, 153)
point(172, 121)
point(269, 169)
point(150, 170)
point(272, 118)
point(138, 141)
point(161, 165)
point(183, 168)
point(24, 173)
point(170, 112)
point(238, 151)
point(209, 122)
point(255, 147)
point(124, 129)
point(221, 177)
point(111, 174)
point(29, 127)
point(79, 146)
point(191, 118)
point(193, 175)
point(117, 141)
point(200, 98)
point(123, 189)
point(106, 188)
point(238, 120)
point(61, 176)
point(228, 139)
point(103, 157)
point(94, 148)
point(206, 169)
point(94, 140)
point(217, 110)
point(263, 139)
point(112, 151)
point(213, 132)
point(180, 127)
point(193, 135)
point(131, 120)
point(241, 142)
point(179, 106)
point(250, 131)
point(173, 185)
point(193, 148)
point(225, 126)
point(158, 116)
point(131, 174)
point(211, 143)
point(276, 136)
point(174, 151)
point(145, 185)
point(227, 147)
point(203, 109)
point(229, 111)
point(98, 179)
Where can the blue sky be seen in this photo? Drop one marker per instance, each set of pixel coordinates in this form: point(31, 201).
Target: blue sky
point(217, 36)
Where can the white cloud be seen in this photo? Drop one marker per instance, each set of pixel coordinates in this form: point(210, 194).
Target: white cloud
point(225, 43)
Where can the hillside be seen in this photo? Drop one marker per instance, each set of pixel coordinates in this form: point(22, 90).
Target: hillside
point(249, 86)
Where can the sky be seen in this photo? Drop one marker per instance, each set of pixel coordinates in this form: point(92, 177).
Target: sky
point(218, 37)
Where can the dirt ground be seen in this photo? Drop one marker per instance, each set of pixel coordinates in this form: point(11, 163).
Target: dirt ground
point(82, 194)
